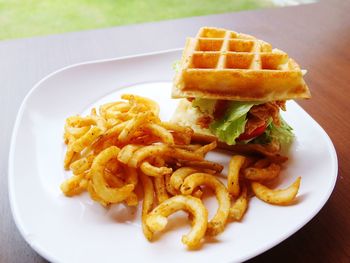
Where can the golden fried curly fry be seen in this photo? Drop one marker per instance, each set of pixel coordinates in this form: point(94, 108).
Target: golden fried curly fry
point(161, 149)
point(203, 165)
point(170, 189)
point(110, 195)
point(69, 156)
point(235, 165)
point(116, 130)
point(127, 152)
point(133, 125)
point(182, 135)
point(73, 133)
point(154, 171)
point(217, 224)
point(114, 181)
point(276, 197)
point(178, 177)
point(115, 110)
point(162, 133)
point(74, 185)
point(150, 104)
point(240, 206)
point(207, 148)
point(87, 139)
point(147, 204)
point(159, 185)
point(157, 219)
point(262, 174)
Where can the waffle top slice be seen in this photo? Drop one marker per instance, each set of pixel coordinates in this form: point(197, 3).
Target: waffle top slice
point(223, 64)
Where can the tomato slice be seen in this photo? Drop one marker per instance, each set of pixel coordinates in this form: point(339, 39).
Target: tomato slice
point(255, 133)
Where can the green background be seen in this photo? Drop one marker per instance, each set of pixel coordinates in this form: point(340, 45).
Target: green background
point(26, 18)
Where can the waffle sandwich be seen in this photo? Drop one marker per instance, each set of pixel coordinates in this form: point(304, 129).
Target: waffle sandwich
point(233, 86)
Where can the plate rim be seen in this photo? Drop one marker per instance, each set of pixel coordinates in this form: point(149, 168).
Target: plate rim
point(13, 142)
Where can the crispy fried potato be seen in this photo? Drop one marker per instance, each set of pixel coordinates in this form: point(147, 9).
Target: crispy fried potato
point(277, 197)
point(217, 224)
point(235, 165)
point(110, 150)
point(157, 219)
point(69, 156)
point(81, 165)
point(131, 175)
point(146, 152)
point(154, 171)
point(162, 133)
point(73, 133)
point(133, 125)
point(161, 149)
point(182, 135)
point(170, 189)
point(116, 182)
point(147, 204)
point(262, 163)
point(110, 195)
point(262, 174)
point(116, 130)
point(207, 148)
point(178, 177)
point(150, 104)
point(127, 152)
point(74, 185)
point(203, 165)
point(240, 206)
point(160, 189)
point(87, 139)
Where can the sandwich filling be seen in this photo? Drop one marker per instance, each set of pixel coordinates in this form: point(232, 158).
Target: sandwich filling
point(238, 122)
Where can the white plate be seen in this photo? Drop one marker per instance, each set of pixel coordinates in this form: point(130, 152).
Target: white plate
point(76, 229)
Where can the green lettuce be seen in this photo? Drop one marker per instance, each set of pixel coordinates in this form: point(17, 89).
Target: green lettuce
point(283, 134)
point(232, 124)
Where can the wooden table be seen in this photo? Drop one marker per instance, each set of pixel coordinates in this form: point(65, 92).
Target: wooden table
point(316, 35)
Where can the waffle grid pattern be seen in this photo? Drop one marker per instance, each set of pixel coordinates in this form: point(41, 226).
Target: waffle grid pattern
point(223, 49)
point(223, 64)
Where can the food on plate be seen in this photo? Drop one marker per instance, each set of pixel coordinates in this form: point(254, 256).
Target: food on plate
point(235, 165)
point(276, 197)
point(217, 224)
point(157, 219)
point(262, 174)
point(240, 206)
point(111, 150)
point(233, 87)
point(147, 204)
point(124, 145)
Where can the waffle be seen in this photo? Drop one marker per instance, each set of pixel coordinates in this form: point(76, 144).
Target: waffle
point(223, 64)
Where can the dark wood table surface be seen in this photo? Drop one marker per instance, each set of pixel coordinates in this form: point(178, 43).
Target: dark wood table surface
point(316, 35)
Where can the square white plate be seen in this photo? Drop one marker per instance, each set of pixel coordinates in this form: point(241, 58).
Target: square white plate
point(78, 230)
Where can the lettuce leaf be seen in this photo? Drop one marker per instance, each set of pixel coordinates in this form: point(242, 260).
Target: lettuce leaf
point(283, 133)
point(232, 124)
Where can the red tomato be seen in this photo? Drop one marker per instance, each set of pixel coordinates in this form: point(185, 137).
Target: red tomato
point(258, 131)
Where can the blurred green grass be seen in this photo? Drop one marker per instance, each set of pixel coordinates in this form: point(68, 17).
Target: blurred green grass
point(26, 18)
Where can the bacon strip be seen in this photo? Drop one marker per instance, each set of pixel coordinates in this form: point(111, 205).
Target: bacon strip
point(260, 114)
point(204, 121)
